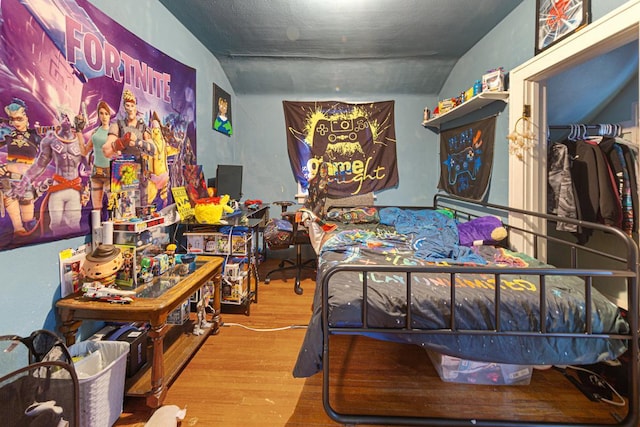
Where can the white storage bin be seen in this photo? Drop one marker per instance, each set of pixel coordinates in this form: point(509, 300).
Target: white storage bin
point(453, 369)
point(101, 378)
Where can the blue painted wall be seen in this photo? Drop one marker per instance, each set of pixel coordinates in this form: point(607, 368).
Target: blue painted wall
point(30, 275)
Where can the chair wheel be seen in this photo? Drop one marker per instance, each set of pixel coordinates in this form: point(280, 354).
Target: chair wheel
point(298, 290)
point(267, 280)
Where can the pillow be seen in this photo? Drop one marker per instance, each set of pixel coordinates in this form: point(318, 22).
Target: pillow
point(360, 215)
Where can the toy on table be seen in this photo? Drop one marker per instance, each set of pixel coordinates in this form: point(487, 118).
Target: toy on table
point(98, 291)
point(211, 209)
point(103, 263)
point(484, 230)
point(253, 204)
point(100, 268)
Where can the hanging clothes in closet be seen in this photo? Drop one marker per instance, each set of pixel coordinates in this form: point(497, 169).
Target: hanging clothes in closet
point(594, 187)
point(561, 193)
point(622, 161)
point(593, 178)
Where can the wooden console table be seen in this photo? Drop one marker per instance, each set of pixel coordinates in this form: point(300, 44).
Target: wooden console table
point(171, 345)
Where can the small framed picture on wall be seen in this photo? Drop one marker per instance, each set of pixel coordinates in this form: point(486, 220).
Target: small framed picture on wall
point(222, 111)
point(557, 19)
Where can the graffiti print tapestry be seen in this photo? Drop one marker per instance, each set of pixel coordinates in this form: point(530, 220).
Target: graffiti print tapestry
point(77, 91)
point(466, 158)
point(358, 141)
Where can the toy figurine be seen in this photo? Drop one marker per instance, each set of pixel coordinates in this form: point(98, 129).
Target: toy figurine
point(201, 310)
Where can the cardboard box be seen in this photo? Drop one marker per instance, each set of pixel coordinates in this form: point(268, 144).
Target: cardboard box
point(218, 243)
point(180, 315)
point(454, 369)
point(235, 288)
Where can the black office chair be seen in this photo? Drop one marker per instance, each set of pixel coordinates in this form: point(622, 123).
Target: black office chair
point(299, 238)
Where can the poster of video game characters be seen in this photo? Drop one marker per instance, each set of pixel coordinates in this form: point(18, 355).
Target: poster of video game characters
point(77, 91)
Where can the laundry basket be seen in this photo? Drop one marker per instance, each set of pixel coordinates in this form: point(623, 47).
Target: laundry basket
point(38, 382)
point(101, 369)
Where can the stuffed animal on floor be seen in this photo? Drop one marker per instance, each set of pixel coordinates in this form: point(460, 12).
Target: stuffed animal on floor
point(484, 230)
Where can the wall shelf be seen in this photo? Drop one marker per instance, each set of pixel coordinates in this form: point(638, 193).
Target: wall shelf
point(477, 102)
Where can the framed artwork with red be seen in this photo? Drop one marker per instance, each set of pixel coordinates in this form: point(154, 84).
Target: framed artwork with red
point(557, 19)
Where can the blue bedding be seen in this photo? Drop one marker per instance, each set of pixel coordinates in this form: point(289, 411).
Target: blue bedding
point(427, 238)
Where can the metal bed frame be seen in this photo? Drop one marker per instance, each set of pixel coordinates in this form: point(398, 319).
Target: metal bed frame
point(627, 273)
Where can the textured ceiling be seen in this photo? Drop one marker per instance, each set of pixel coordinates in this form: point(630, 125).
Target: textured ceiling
point(353, 46)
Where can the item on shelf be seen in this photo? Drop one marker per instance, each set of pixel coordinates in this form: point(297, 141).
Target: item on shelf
point(160, 264)
point(137, 224)
point(426, 115)
point(445, 105)
point(146, 212)
point(469, 93)
point(234, 288)
point(477, 87)
point(493, 80)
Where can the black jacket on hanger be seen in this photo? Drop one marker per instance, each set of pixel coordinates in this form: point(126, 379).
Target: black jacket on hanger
point(596, 193)
point(624, 179)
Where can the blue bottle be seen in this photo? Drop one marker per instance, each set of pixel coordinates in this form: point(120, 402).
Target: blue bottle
point(477, 87)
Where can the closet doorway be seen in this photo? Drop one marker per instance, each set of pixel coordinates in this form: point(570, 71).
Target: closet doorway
point(530, 85)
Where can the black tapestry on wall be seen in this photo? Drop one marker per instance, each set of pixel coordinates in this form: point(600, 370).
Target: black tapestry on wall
point(466, 158)
point(357, 141)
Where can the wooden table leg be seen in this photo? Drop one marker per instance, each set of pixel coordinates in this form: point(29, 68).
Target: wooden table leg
point(216, 320)
point(69, 326)
point(158, 387)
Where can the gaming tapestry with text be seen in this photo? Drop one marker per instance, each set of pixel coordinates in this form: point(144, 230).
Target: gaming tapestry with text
point(358, 141)
point(79, 91)
point(466, 158)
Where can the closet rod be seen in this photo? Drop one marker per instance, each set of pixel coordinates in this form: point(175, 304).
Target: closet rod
point(569, 127)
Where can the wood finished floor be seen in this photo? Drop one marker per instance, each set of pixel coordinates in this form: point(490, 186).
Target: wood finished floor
point(243, 378)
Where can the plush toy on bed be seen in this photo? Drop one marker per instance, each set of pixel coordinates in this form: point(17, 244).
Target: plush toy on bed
point(484, 230)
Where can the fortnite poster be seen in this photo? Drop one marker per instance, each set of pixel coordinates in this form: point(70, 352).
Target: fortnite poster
point(466, 158)
point(358, 141)
point(78, 91)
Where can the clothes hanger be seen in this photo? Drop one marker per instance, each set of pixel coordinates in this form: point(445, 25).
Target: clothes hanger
point(572, 131)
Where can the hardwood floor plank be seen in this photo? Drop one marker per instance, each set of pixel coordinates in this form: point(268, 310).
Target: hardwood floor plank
point(242, 378)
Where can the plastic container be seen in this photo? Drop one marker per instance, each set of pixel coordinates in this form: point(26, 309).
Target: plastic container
point(101, 378)
point(454, 369)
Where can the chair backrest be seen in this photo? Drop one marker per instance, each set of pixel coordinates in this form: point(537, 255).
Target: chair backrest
point(366, 199)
